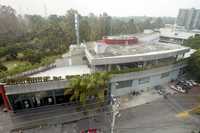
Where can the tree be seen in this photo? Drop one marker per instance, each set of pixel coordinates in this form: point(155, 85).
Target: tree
point(131, 27)
point(159, 23)
point(85, 29)
point(105, 24)
point(2, 67)
point(194, 61)
point(193, 42)
point(9, 21)
point(83, 88)
point(194, 65)
point(69, 26)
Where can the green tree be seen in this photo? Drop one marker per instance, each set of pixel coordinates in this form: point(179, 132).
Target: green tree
point(194, 65)
point(131, 27)
point(2, 67)
point(193, 42)
point(85, 29)
point(84, 87)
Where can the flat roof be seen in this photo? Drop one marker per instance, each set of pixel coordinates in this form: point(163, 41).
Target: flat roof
point(35, 87)
point(65, 71)
point(135, 49)
point(114, 54)
point(178, 35)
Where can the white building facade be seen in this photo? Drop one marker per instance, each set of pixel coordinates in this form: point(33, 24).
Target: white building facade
point(139, 66)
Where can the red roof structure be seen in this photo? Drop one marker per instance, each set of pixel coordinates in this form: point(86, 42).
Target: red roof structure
point(121, 41)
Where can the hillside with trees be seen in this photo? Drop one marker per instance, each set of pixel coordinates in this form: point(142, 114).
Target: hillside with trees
point(33, 40)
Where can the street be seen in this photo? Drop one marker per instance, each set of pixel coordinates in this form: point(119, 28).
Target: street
point(166, 115)
point(160, 116)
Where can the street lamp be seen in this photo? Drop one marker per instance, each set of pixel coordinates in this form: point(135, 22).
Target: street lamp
point(115, 110)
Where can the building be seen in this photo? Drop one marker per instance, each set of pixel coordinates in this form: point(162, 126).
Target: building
point(136, 67)
point(136, 62)
point(34, 95)
point(189, 18)
point(175, 37)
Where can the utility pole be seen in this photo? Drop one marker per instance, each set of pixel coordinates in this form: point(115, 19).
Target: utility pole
point(77, 28)
point(115, 111)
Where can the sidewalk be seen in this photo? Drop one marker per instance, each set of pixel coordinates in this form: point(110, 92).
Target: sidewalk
point(129, 101)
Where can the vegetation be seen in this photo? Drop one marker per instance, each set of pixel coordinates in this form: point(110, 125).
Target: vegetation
point(25, 66)
point(88, 88)
point(136, 69)
point(3, 68)
point(194, 61)
point(193, 42)
point(31, 38)
point(194, 65)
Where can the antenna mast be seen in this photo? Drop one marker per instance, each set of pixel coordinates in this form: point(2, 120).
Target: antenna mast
point(76, 17)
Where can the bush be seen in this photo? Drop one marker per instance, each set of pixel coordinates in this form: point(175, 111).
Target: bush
point(3, 68)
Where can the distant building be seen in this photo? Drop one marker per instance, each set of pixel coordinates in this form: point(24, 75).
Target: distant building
point(175, 37)
point(189, 18)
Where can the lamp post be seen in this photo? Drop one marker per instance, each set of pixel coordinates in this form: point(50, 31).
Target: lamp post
point(115, 110)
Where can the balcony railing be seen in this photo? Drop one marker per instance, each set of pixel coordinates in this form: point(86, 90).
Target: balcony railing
point(148, 67)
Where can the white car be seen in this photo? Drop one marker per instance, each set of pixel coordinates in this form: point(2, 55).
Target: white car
point(193, 82)
point(178, 88)
point(189, 83)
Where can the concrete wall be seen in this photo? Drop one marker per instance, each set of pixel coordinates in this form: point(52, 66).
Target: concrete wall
point(135, 58)
point(155, 79)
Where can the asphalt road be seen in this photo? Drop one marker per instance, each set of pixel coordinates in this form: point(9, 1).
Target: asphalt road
point(102, 122)
point(159, 116)
point(156, 117)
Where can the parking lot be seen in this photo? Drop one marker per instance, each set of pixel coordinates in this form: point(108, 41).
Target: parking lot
point(175, 88)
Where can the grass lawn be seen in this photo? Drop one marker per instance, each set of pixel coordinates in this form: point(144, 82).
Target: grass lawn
point(15, 66)
point(12, 64)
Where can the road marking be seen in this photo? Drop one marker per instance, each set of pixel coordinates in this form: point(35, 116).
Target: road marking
point(184, 114)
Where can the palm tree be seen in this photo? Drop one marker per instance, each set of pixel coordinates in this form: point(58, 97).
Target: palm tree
point(87, 86)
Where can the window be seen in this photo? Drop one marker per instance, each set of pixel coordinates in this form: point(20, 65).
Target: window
point(144, 80)
point(123, 84)
point(164, 75)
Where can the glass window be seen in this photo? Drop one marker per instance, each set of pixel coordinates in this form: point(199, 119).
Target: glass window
point(144, 80)
point(123, 84)
point(59, 92)
point(164, 75)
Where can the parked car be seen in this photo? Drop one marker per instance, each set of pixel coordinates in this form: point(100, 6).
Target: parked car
point(172, 87)
point(193, 82)
point(189, 83)
point(178, 88)
point(185, 86)
point(158, 87)
point(185, 83)
point(160, 92)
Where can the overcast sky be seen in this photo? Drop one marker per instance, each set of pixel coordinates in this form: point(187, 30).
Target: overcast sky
point(112, 7)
